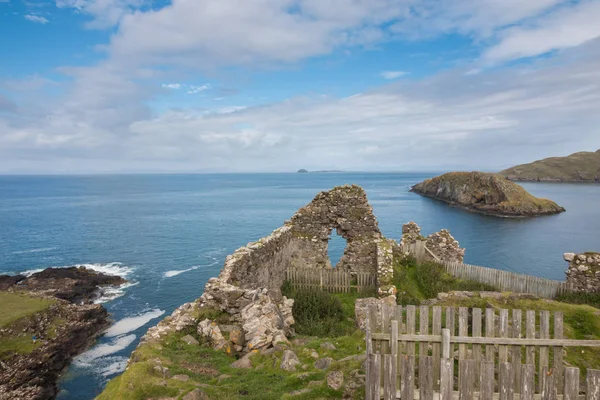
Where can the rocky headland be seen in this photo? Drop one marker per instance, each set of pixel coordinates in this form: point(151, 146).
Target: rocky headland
point(583, 166)
point(46, 320)
point(486, 193)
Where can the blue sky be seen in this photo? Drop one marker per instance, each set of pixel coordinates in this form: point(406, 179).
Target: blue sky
point(275, 85)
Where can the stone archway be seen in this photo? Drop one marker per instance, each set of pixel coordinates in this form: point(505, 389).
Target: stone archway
point(336, 245)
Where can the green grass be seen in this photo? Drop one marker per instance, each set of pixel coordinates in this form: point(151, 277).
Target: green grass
point(15, 311)
point(266, 380)
point(14, 306)
point(576, 167)
point(592, 299)
point(417, 282)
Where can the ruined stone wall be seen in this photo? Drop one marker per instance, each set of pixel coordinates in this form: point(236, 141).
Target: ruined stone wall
point(347, 210)
point(442, 244)
point(584, 271)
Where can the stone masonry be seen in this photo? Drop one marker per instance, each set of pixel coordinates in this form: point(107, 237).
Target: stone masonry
point(246, 295)
point(442, 244)
point(584, 271)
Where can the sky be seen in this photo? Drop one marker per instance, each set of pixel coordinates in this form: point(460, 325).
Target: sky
point(128, 86)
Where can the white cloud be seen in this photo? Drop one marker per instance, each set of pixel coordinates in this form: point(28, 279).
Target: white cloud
point(197, 89)
point(567, 27)
point(392, 74)
point(175, 86)
point(36, 19)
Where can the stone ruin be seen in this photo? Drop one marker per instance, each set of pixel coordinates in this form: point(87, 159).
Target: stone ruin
point(245, 300)
point(243, 308)
point(584, 271)
point(442, 244)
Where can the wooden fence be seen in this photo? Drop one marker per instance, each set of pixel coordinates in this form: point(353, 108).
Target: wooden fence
point(485, 356)
point(502, 280)
point(508, 281)
point(331, 280)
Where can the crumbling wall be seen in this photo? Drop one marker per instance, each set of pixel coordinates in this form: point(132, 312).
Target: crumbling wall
point(584, 271)
point(347, 210)
point(247, 291)
point(441, 245)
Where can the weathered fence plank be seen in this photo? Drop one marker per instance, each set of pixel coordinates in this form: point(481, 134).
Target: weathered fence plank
point(544, 351)
point(593, 384)
point(373, 391)
point(408, 377)
point(446, 379)
point(506, 381)
point(486, 391)
point(467, 380)
point(571, 385)
point(527, 387)
point(558, 352)
point(426, 378)
point(516, 350)
point(389, 381)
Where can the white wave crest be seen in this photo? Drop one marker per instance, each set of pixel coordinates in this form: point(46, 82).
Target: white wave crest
point(102, 350)
point(130, 324)
point(112, 268)
point(40, 250)
point(111, 293)
point(175, 272)
point(111, 365)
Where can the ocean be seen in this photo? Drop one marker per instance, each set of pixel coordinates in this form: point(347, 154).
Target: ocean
point(168, 234)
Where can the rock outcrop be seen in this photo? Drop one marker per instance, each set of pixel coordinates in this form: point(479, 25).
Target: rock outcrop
point(33, 376)
point(63, 330)
point(487, 194)
point(584, 271)
point(74, 284)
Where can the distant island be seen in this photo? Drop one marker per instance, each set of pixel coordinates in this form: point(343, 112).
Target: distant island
point(487, 194)
point(302, 171)
point(578, 167)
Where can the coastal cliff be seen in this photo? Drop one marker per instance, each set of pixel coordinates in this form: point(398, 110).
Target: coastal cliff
point(583, 166)
point(46, 319)
point(487, 194)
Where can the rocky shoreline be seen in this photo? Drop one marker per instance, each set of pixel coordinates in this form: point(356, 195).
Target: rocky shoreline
point(48, 338)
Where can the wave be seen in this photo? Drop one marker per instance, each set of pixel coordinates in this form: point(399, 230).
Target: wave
point(111, 366)
point(131, 324)
point(89, 357)
point(112, 268)
point(40, 250)
point(111, 293)
point(175, 272)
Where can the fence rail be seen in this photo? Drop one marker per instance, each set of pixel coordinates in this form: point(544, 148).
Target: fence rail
point(331, 280)
point(500, 279)
point(470, 353)
point(508, 281)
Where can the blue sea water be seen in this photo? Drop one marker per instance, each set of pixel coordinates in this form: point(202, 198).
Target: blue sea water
point(168, 234)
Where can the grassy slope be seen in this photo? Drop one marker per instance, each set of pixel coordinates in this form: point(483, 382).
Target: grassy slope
point(266, 380)
point(15, 310)
point(486, 192)
point(580, 165)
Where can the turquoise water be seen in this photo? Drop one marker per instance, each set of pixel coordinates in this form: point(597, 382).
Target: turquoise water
point(168, 234)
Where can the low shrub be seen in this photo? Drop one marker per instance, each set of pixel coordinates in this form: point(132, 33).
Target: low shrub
point(317, 313)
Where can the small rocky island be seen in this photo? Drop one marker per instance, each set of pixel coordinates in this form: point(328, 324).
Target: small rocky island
point(486, 193)
point(47, 319)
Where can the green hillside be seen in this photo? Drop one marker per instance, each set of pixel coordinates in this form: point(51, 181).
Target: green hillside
point(578, 167)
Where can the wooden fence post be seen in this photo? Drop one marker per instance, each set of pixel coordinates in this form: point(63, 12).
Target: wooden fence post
point(593, 384)
point(571, 386)
point(373, 391)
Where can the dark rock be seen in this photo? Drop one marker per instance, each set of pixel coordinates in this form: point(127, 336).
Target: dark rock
point(74, 284)
point(6, 281)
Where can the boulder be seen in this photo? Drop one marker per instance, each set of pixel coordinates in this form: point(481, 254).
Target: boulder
point(323, 363)
point(211, 331)
point(335, 380)
point(189, 339)
point(289, 361)
point(243, 362)
point(196, 394)
point(328, 346)
point(264, 322)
